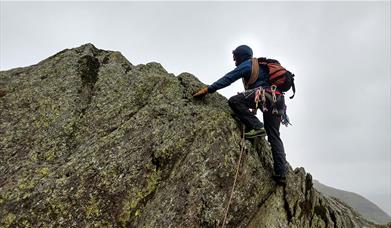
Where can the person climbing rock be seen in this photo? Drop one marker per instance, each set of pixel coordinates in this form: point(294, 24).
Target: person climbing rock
point(255, 79)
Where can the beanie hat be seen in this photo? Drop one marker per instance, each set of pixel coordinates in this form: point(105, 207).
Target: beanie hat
point(243, 52)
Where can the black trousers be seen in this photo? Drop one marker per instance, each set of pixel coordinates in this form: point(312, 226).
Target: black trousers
point(241, 103)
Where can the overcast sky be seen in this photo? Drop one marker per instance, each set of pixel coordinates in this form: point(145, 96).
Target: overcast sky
point(340, 53)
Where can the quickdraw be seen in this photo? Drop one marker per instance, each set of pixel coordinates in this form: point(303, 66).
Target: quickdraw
point(264, 108)
point(257, 95)
point(260, 95)
point(274, 99)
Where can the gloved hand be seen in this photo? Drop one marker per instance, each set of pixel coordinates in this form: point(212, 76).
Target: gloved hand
point(202, 92)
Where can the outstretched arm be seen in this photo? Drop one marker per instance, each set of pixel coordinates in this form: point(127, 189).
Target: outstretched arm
point(243, 70)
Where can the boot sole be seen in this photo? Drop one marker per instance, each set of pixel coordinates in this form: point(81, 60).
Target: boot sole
point(254, 136)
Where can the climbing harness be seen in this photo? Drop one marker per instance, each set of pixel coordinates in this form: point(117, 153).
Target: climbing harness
point(261, 94)
point(268, 93)
point(236, 176)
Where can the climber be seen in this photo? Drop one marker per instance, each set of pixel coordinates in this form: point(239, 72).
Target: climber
point(243, 102)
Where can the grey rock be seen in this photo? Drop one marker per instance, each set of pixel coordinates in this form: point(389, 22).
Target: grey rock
point(88, 139)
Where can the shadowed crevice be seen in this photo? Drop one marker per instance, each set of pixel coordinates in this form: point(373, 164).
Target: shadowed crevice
point(88, 68)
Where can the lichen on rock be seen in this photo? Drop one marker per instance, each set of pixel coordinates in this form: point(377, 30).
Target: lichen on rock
point(88, 139)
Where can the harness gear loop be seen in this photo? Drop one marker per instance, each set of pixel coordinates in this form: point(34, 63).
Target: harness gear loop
point(236, 176)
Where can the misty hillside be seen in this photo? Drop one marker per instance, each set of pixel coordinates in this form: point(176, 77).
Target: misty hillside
point(362, 205)
point(88, 139)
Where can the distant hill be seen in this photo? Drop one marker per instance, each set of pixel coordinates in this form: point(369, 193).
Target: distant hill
point(362, 205)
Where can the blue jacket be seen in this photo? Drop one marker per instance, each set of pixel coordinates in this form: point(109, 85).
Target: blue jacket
point(241, 71)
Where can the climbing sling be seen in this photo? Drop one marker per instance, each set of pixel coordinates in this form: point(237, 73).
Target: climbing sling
point(254, 74)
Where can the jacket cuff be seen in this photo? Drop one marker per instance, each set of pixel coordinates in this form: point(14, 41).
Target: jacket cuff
point(211, 89)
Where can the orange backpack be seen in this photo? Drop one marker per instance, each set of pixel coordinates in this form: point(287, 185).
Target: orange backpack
point(278, 75)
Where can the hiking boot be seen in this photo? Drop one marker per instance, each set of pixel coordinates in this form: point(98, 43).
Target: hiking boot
point(255, 133)
point(279, 179)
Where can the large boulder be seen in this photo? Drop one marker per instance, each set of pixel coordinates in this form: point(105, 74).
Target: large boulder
point(88, 139)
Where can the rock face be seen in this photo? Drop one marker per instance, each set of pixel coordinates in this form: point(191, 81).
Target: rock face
point(88, 139)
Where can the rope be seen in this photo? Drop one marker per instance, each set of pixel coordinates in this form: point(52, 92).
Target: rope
point(236, 176)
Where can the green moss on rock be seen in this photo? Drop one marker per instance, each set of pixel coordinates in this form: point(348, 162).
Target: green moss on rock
point(88, 139)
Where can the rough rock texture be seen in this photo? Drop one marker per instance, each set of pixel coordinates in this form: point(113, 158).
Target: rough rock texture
point(88, 139)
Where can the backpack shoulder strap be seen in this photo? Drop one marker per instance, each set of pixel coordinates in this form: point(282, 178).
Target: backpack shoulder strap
point(254, 73)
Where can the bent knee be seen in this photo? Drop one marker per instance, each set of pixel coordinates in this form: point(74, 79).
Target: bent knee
point(234, 100)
